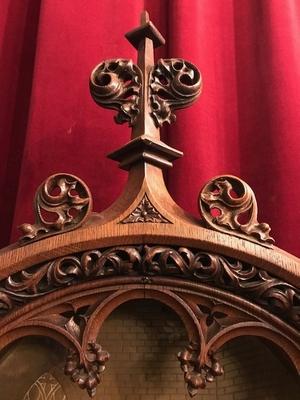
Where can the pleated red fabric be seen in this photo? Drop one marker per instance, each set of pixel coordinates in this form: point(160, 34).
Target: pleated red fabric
point(246, 122)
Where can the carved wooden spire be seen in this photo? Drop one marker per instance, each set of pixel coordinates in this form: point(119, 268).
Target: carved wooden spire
point(144, 39)
point(145, 95)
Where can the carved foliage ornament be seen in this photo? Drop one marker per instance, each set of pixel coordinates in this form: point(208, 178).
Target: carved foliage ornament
point(228, 205)
point(62, 203)
point(174, 84)
point(232, 275)
point(87, 373)
point(145, 212)
point(116, 84)
point(85, 362)
point(197, 375)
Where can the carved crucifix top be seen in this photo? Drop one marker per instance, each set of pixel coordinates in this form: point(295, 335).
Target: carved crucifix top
point(145, 94)
point(145, 38)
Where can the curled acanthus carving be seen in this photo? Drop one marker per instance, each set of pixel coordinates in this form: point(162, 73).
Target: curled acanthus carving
point(174, 84)
point(228, 205)
point(86, 371)
point(62, 203)
point(255, 284)
point(116, 84)
point(197, 375)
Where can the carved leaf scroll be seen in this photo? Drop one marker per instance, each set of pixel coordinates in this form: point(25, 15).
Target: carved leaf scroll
point(62, 203)
point(116, 84)
point(174, 84)
point(253, 283)
point(235, 208)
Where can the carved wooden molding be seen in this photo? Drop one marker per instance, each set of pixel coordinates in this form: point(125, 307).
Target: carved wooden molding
point(145, 212)
point(62, 203)
point(174, 84)
point(233, 200)
point(211, 317)
point(251, 282)
point(217, 297)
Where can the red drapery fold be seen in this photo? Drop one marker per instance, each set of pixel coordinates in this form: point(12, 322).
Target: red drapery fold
point(246, 122)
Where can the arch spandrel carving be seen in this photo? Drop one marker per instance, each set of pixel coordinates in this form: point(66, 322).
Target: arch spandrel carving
point(220, 273)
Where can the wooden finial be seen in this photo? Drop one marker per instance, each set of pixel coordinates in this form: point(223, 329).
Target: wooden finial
point(144, 17)
point(144, 39)
point(145, 94)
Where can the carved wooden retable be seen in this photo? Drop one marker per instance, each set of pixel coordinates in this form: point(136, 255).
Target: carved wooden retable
point(221, 272)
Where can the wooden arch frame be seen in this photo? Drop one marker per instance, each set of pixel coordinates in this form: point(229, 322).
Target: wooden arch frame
point(223, 277)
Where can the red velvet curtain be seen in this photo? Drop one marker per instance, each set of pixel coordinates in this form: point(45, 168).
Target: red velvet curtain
point(246, 122)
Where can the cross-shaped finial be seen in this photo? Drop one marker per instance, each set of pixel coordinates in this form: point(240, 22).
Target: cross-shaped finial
point(144, 39)
point(145, 94)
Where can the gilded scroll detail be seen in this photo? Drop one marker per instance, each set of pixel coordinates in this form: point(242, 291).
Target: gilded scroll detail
point(145, 212)
point(174, 84)
point(234, 204)
point(62, 203)
point(116, 84)
point(244, 279)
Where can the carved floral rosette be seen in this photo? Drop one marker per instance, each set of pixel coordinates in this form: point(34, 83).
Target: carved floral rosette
point(145, 212)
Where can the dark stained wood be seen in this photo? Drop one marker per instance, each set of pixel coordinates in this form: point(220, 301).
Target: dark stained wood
point(233, 199)
point(221, 275)
point(53, 210)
